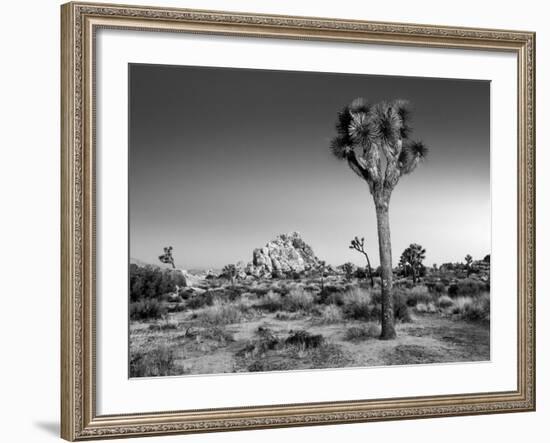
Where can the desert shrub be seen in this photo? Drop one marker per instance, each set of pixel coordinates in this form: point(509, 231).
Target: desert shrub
point(467, 287)
point(221, 313)
point(471, 309)
point(304, 339)
point(297, 300)
point(364, 332)
point(400, 308)
point(151, 281)
point(153, 363)
point(361, 273)
point(332, 296)
point(331, 288)
point(264, 341)
point(200, 301)
point(445, 302)
point(271, 302)
point(376, 312)
point(282, 290)
point(174, 307)
point(146, 309)
point(260, 290)
point(426, 308)
point(349, 270)
point(330, 314)
point(417, 294)
point(453, 290)
point(479, 310)
point(311, 287)
point(232, 293)
point(170, 297)
point(461, 304)
point(357, 305)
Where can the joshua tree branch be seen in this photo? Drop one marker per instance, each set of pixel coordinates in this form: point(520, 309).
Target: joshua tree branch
point(359, 246)
point(360, 168)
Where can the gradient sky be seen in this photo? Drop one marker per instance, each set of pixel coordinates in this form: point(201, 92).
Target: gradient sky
point(223, 160)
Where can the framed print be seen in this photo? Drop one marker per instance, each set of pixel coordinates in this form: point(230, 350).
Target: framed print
point(277, 221)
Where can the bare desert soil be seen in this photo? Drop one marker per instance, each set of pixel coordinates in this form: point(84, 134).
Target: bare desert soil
point(182, 343)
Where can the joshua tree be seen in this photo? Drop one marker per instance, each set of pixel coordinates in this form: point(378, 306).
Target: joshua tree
point(411, 259)
point(359, 246)
point(230, 272)
point(468, 259)
point(167, 257)
point(348, 269)
point(374, 141)
point(322, 267)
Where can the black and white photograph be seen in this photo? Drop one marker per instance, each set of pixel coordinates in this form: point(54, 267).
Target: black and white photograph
point(285, 220)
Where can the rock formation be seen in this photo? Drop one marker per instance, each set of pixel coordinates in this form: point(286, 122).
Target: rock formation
point(286, 254)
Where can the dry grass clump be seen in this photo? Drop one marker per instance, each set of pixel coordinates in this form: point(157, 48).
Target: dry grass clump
point(304, 340)
point(426, 308)
point(445, 302)
point(417, 294)
point(401, 310)
point(468, 308)
point(271, 302)
point(200, 301)
point(364, 332)
point(153, 363)
point(329, 314)
point(264, 341)
point(467, 287)
point(221, 313)
point(296, 300)
point(358, 305)
point(146, 309)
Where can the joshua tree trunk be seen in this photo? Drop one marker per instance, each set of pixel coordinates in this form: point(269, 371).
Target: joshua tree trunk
point(369, 269)
point(384, 242)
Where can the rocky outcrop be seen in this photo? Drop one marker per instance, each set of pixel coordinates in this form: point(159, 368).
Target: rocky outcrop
point(191, 279)
point(286, 254)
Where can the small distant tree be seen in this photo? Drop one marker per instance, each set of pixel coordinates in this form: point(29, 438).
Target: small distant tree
point(322, 268)
point(167, 257)
point(359, 246)
point(487, 258)
point(411, 260)
point(230, 272)
point(468, 259)
point(348, 269)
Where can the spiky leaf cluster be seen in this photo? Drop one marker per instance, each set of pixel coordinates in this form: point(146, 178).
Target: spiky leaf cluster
point(365, 134)
point(230, 271)
point(413, 256)
point(358, 244)
point(167, 257)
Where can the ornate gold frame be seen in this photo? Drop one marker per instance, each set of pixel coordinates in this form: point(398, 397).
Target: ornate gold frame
point(79, 22)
